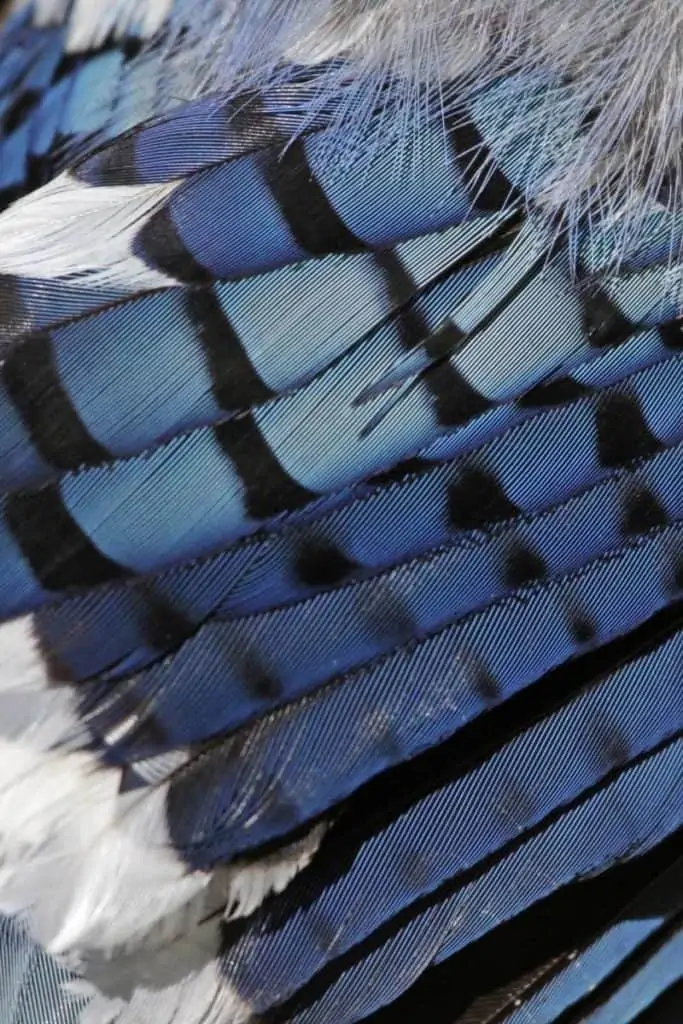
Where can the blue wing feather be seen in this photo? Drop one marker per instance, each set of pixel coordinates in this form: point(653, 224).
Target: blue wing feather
point(370, 509)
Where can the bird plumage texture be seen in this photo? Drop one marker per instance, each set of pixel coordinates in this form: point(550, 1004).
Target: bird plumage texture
point(341, 512)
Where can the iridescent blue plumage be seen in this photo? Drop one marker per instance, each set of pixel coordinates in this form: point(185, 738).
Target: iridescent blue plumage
point(52, 101)
point(341, 494)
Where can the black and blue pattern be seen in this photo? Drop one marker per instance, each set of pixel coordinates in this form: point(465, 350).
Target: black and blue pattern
point(53, 100)
point(372, 509)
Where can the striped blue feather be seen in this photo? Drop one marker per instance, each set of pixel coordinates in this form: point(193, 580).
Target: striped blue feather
point(370, 533)
point(383, 528)
point(588, 837)
point(391, 709)
point(207, 352)
point(351, 497)
point(459, 825)
point(245, 668)
point(138, 510)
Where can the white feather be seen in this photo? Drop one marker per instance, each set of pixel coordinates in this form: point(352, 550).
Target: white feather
point(90, 22)
point(63, 820)
point(68, 229)
point(250, 883)
point(202, 995)
point(92, 870)
point(178, 981)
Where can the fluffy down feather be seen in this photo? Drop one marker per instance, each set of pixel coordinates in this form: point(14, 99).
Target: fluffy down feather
point(619, 69)
point(620, 65)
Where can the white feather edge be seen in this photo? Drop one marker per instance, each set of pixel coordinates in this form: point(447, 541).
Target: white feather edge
point(71, 230)
point(92, 870)
point(91, 21)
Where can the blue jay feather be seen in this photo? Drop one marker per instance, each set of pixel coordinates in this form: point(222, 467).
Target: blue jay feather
point(54, 100)
point(341, 521)
point(636, 932)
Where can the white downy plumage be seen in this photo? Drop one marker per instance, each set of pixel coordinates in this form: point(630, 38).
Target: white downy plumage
point(621, 63)
point(92, 869)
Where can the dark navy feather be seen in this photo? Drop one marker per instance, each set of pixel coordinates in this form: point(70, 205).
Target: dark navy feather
point(567, 848)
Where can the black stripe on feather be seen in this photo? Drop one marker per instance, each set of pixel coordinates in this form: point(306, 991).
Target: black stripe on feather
point(165, 624)
point(270, 490)
point(623, 435)
point(451, 394)
point(522, 565)
point(53, 544)
point(641, 511)
point(476, 498)
point(160, 246)
point(402, 289)
point(456, 400)
point(116, 164)
point(554, 392)
point(672, 335)
point(604, 323)
point(313, 221)
point(487, 184)
point(32, 381)
point(320, 563)
point(235, 382)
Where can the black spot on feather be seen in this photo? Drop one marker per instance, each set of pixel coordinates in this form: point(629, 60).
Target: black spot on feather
point(642, 511)
point(622, 433)
point(611, 744)
point(581, 626)
point(604, 323)
point(258, 679)
point(320, 563)
point(522, 565)
point(387, 615)
point(476, 498)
